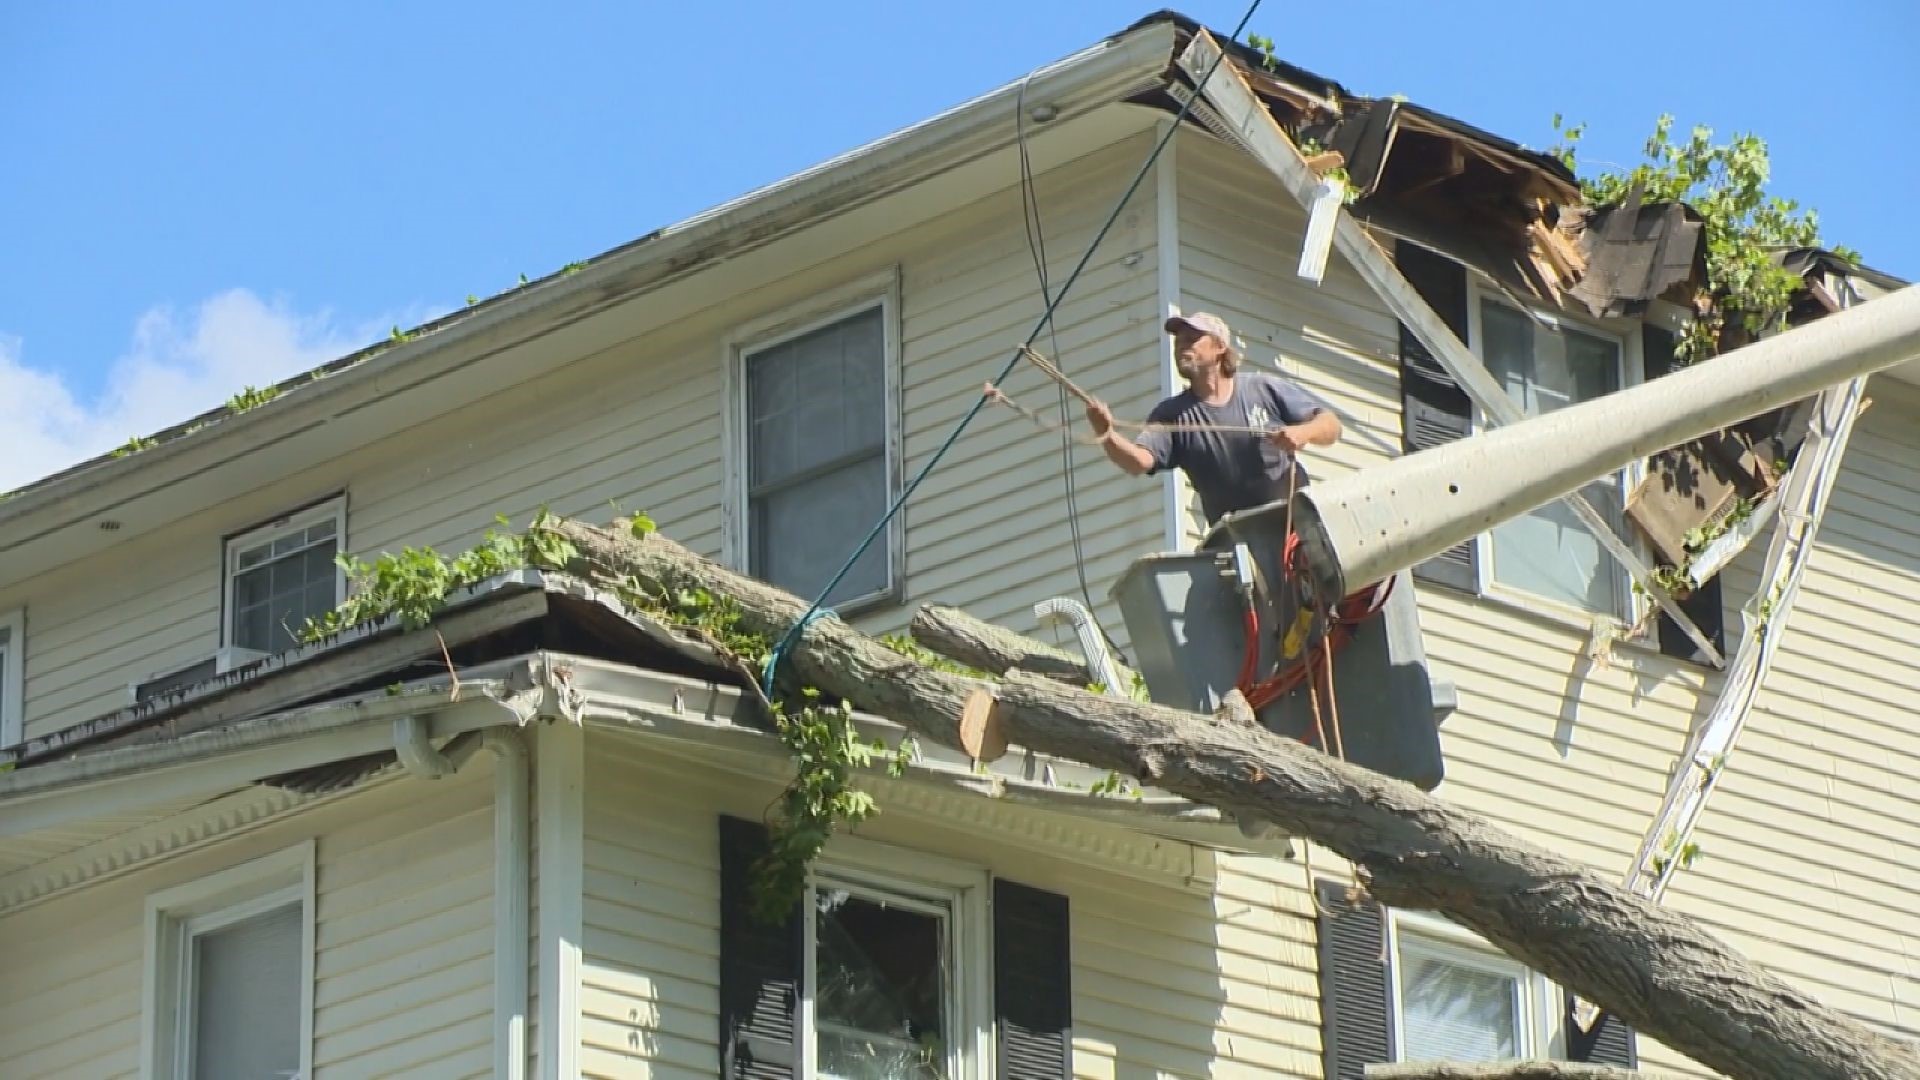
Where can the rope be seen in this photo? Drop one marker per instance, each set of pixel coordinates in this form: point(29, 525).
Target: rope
point(893, 509)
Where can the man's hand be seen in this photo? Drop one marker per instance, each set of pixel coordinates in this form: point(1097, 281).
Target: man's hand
point(1290, 438)
point(1100, 417)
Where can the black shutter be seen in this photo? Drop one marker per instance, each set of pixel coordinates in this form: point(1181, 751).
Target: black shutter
point(1433, 408)
point(1609, 1042)
point(1354, 993)
point(1032, 983)
point(1704, 606)
point(760, 968)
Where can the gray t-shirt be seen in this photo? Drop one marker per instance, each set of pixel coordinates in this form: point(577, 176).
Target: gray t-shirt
point(1232, 470)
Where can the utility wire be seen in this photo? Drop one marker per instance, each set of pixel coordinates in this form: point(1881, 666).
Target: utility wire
point(1037, 248)
point(816, 609)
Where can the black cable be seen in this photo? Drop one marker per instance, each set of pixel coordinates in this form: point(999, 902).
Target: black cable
point(1037, 250)
point(815, 609)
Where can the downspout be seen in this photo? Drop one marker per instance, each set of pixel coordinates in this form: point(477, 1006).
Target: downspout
point(512, 864)
point(512, 872)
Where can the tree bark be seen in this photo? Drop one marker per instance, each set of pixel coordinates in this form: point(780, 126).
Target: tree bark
point(1652, 968)
point(1513, 1070)
point(979, 644)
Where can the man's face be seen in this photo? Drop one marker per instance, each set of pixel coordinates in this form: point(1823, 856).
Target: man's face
point(1196, 352)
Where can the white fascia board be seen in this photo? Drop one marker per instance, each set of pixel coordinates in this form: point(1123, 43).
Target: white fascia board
point(1078, 83)
point(126, 778)
point(620, 698)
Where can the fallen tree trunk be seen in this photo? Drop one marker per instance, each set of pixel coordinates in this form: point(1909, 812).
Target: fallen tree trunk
point(979, 644)
point(1654, 969)
point(1518, 1070)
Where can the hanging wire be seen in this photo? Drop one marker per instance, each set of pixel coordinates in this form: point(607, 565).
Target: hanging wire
point(817, 609)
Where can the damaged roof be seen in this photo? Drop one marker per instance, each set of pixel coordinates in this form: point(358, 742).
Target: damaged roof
point(1511, 211)
point(517, 647)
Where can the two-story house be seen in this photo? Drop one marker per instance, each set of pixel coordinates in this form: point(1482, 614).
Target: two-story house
point(516, 842)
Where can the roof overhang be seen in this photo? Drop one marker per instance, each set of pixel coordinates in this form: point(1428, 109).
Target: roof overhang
point(372, 725)
point(501, 343)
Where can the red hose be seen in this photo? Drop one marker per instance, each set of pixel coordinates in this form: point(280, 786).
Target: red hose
point(1252, 658)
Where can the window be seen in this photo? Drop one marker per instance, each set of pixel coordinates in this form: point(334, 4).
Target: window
point(1455, 1000)
point(229, 981)
point(894, 965)
point(280, 575)
point(13, 689)
point(1412, 986)
point(881, 992)
point(816, 457)
point(1548, 552)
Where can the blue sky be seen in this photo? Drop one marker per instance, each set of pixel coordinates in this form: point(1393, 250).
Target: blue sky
point(203, 195)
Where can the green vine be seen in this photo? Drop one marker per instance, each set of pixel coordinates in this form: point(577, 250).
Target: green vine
point(133, 446)
point(250, 398)
point(822, 736)
point(1749, 293)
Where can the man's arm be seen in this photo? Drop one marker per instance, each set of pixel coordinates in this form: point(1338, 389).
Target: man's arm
point(1321, 429)
point(1133, 459)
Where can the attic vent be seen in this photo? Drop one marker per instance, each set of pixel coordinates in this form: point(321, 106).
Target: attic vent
point(179, 679)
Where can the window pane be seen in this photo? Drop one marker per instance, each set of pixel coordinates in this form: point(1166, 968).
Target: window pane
point(816, 398)
point(880, 989)
point(273, 600)
point(1452, 1012)
point(803, 533)
point(1547, 551)
point(246, 1006)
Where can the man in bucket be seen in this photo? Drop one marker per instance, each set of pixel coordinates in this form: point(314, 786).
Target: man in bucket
point(1236, 434)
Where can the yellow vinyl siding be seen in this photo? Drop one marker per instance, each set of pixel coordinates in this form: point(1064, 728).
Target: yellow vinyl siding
point(404, 941)
point(1168, 975)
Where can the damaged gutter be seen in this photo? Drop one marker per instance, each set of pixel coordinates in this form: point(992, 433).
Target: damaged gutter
point(708, 714)
point(103, 783)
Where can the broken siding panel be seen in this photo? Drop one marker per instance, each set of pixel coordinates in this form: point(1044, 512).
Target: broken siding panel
point(1166, 976)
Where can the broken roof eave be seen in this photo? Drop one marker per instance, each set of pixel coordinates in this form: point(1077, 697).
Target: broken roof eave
point(1109, 71)
point(701, 716)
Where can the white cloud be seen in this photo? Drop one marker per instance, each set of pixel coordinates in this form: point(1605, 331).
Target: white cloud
point(175, 367)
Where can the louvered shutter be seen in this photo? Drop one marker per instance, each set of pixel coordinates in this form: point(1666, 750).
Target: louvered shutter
point(761, 966)
point(1705, 606)
point(1354, 993)
point(1609, 1042)
point(1032, 983)
point(1434, 409)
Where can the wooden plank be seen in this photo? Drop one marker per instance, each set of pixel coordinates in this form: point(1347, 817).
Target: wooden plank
point(1255, 129)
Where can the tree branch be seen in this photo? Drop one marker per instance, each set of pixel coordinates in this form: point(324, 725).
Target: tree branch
point(1506, 1070)
point(980, 644)
point(1653, 968)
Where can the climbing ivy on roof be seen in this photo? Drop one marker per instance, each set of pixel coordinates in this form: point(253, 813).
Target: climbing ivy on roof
point(825, 742)
point(1745, 225)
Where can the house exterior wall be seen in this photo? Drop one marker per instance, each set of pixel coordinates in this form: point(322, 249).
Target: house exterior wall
point(1182, 965)
point(403, 931)
point(1807, 852)
point(640, 426)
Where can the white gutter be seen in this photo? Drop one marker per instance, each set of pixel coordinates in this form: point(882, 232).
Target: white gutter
point(126, 778)
point(1076, 84)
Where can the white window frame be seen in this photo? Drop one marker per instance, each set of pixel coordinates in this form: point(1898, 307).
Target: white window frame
point(907, 875)
point(13, 678)
point(175, 915)
point(1627, 604)
point(1542, 1030)
point(881, 290)
point(333, 507)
